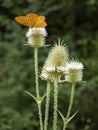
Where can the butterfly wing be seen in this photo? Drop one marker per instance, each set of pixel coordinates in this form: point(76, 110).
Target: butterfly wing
point(28, 20)
point(31, 19)
point(41, 18)
point(40, 22)
point(32, 16)
point(22, 20)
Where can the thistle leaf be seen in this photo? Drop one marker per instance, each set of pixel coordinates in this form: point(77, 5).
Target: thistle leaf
point(35, 98)
point(26, 44)
point(63, 118)
point(38, 100)
point(72, 117)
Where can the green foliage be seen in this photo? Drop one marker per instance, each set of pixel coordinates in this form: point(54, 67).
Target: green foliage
point(74, 21)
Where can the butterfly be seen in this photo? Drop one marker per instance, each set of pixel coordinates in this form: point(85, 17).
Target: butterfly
point(32, 20)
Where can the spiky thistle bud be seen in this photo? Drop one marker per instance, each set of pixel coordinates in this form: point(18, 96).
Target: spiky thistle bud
point(74, 69)
point(56, 61)
point(36, 37)
point(58, 55)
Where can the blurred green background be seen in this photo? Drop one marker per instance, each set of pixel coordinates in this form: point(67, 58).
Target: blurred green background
point(75, 21)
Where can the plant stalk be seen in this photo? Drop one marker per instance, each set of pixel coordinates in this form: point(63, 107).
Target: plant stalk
point(47, 105)
point(37, 86)
point(55, 102)
point(64, 127)
point(36, 71)
point(71, 100)
point(70, 104)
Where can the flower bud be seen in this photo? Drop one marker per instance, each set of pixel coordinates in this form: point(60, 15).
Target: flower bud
point(58, 56)
point(74, 69)
point(36, 37)
point(56, 62)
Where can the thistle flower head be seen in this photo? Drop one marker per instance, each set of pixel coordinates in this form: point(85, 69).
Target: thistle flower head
point(45, 75)
point(36, 31)
point(58, 55)
point(74, 69)
point(56, 61)
point(49, 72)
point(36, 37)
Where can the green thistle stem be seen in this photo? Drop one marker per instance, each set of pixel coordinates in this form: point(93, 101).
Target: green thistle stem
point(55, 102)
point(71, 100)
point(40, 116)
point(36, 71)
point(64, 127)
point(47, 105)
point(70, 104)
point(37, 85)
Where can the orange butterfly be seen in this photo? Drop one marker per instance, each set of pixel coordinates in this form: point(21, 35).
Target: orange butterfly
point(32, 20)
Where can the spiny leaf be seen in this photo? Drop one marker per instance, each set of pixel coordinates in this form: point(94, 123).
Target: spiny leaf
point(72, 117)
point(47, 45)
point(63, 118)
point(35, 98)
point(38, 100)
point(28, 45)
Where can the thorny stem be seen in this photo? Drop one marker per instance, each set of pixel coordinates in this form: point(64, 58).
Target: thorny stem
point(47, 105)
point(37, 85)
point(64, 127)
point(55, 102)
point(36, 71)
point(70, 104)
point(40, 116)
point(71, 100)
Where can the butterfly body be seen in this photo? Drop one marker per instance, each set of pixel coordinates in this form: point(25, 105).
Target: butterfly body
point(32, 20)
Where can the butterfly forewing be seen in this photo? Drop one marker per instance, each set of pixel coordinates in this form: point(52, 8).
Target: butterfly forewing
point(31, 19)
point(22, 20)
point(32, 15)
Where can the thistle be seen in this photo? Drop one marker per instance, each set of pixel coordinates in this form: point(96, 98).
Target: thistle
point(54, 67)
point(74, 69)
point(36, 37)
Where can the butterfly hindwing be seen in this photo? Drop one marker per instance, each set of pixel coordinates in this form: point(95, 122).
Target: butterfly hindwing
point(41, 18)
point(40, 24)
